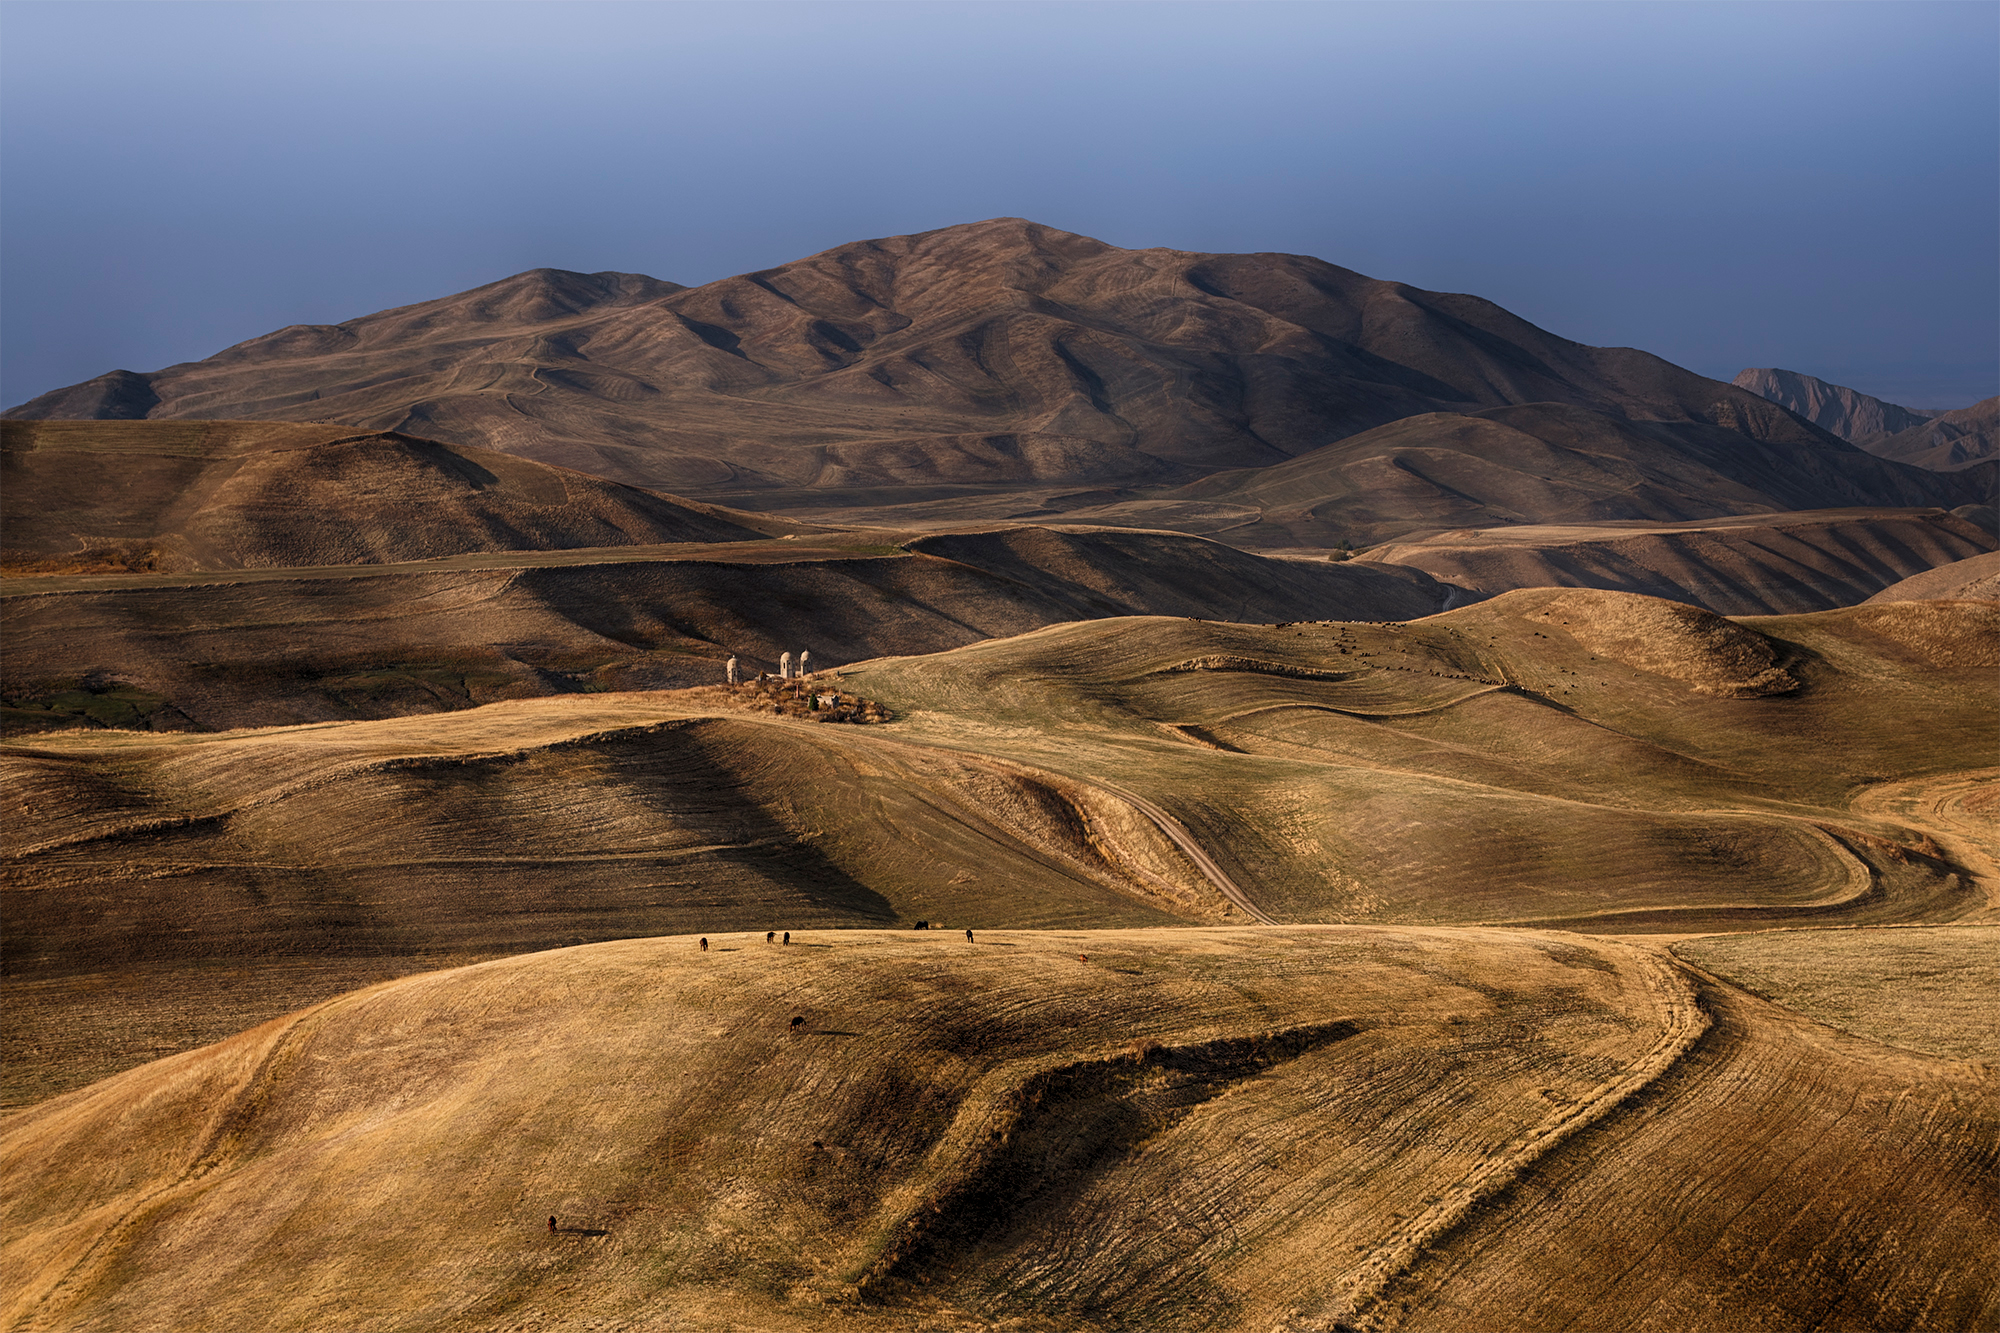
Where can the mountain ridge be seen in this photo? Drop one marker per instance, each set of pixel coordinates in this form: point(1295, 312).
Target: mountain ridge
point(994, 353)
point(1852, 415)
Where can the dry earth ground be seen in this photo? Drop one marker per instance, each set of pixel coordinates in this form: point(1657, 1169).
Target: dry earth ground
point(1299, 1127)
point(1924, 989)
point(1975, 576)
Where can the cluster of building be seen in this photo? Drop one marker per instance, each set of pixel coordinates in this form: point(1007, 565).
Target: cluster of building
point(786, 670)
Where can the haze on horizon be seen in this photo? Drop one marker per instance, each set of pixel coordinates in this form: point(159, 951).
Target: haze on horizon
point(1811, 186)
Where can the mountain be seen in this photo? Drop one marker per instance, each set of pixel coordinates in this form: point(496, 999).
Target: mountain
point(1835, 408)
point(1948, 442)
point(1000, 355)
point(195, 495)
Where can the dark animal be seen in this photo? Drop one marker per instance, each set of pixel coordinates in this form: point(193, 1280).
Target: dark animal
point(968, 937)
point(770, 935)
point(788, 937)
point(1083, 958)
point(921, 925)
point(704, 944)
point(797, 1023)
point(552, 1226)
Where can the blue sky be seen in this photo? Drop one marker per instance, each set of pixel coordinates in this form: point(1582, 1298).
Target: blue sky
point(1812, 186)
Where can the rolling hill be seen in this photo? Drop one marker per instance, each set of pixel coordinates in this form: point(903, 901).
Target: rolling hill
point(1308, 1128)
point(1949, 442)
point(1547, 759)
point(1000, 356)
point(268, 647)
point(198, 495)
point(1538, 463)
point(1976, 576)
point(408, 928)
point(1753, 564)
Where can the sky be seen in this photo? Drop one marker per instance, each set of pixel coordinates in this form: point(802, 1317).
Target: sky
point(1803, 185)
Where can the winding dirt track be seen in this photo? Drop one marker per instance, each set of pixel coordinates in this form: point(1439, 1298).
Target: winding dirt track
point(1182, 839)
point(1781, 1176)
point(1682, 1023)
point(1948, 808)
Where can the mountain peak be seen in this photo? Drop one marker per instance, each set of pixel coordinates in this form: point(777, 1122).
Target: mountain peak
point(1852, 415)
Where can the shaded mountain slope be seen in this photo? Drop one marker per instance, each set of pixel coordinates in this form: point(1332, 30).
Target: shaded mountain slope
point(1534, 463)
point(277, 646)
point(996, 354)
point(1758, 564)
point(1852, 415)
point(170, 495)
point(1949, 442)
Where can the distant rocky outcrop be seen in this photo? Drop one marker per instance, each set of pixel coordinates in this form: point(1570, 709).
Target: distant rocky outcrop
point(1852, 415)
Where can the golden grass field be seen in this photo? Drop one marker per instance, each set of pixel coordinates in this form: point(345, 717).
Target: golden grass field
point(1570, 960)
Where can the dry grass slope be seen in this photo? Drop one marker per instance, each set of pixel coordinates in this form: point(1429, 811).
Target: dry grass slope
point(190, 495)
point(1295, 1127)
point(1559, 758)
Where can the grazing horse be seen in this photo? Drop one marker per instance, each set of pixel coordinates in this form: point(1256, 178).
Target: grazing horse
point(770, 935)
point(788, 937)
point(797, 1023)
point(704, 944)
point(968, 937)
